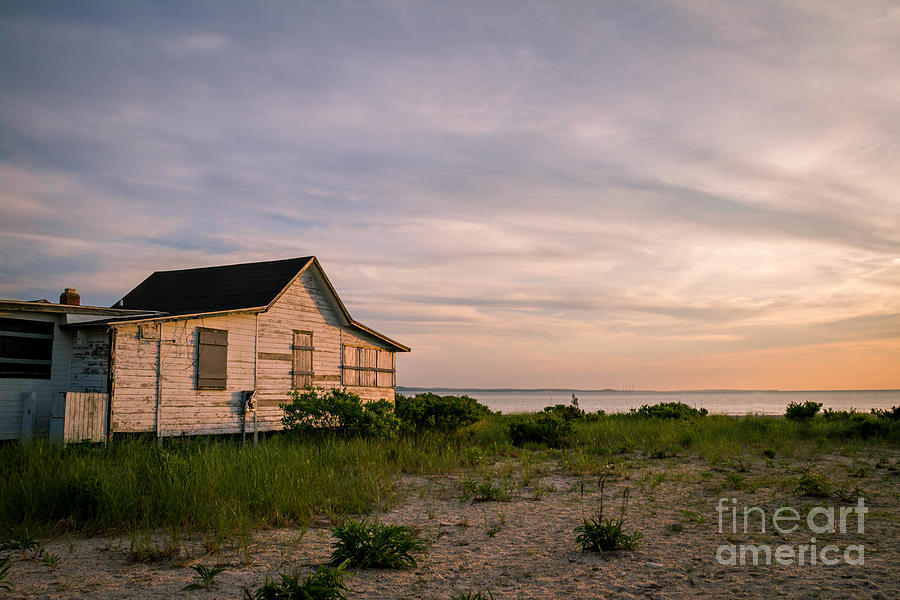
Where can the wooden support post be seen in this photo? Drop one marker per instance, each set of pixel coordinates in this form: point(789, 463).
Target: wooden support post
point(29, 400)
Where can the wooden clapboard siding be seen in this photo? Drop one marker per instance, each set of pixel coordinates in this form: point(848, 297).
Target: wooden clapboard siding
point(184, 409)
point(90, 361)
point(304, 306)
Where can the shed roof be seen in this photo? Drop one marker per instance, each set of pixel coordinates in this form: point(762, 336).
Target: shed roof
point(214, 289)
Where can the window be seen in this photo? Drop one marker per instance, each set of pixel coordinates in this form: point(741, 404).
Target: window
point(26, 348)
point(212, 359)
point(368, 367)
point(302, 360)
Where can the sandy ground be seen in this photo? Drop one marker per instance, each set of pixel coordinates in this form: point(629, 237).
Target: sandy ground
point(525, 548)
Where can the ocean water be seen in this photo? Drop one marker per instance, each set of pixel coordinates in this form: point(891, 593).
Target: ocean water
point(717, 402)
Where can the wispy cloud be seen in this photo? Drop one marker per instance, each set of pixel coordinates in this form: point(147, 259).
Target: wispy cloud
point(665, 194)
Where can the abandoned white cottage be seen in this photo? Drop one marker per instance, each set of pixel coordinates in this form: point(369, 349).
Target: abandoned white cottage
point(178, 354)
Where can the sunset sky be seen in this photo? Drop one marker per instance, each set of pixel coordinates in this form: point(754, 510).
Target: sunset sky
point(660, 195)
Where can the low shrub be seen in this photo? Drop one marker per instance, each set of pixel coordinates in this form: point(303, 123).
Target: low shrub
point(546, 428)
point(567, 412)
point(365, 545)
point(669, 410)
point(800, 412)
point(853, 424)
point(338, 411)
point(324, 584)
point(892, 414)
point(813, 484)
point(433, 412)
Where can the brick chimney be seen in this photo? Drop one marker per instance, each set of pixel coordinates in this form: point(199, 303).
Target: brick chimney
point(70, 296)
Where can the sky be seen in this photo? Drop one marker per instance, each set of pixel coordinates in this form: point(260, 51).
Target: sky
point(653, 195)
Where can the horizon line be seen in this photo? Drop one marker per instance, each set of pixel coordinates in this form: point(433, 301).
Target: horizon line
point(618, 391)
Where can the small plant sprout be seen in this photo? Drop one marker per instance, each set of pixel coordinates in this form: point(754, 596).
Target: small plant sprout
point(207, 576)
point(485, 490)
point(604, 534)
point(25, 543)
point(51, 560)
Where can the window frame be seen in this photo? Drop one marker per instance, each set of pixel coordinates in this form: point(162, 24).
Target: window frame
point(26, 329)
point(207, 350)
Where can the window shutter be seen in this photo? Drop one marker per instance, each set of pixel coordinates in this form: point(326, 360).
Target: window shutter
point(351, 375)
point(368, 367)
point(212, 359)
point(302, 360)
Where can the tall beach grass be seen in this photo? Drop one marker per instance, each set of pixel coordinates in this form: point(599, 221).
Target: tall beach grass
point(223, 486)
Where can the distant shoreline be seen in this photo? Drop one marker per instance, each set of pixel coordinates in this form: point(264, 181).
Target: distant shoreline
point(401, 388)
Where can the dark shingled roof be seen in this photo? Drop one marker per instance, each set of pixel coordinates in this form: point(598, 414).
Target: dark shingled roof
point(211, 289)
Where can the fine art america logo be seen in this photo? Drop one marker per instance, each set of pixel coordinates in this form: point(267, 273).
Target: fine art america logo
point(820, 520)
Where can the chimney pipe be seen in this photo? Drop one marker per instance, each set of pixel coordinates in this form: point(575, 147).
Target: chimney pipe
point(70, 296)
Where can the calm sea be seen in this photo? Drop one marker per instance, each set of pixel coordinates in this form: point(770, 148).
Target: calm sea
point(721, 402)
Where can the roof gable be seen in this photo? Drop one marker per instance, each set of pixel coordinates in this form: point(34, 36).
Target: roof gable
point(209, 290)
point(213, 289)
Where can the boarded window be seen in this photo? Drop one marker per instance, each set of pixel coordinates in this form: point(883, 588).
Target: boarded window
point(302, 360)
point(368, 367)
point(212, 359)
point(26, 348)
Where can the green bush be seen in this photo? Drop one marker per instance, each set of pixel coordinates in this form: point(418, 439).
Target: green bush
point(433, 412)
point(669, 410)
point(366, 545)
point(324, 584)
point(545, 428)
point(571, 411)
point(892, 414)
point(813, 484)
point(801, 412)
point(338, 411)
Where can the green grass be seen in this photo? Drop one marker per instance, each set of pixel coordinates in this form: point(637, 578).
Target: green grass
point(206, 484)
point(224, 488)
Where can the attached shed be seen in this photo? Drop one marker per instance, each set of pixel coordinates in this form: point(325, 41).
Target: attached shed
point(187, 347)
